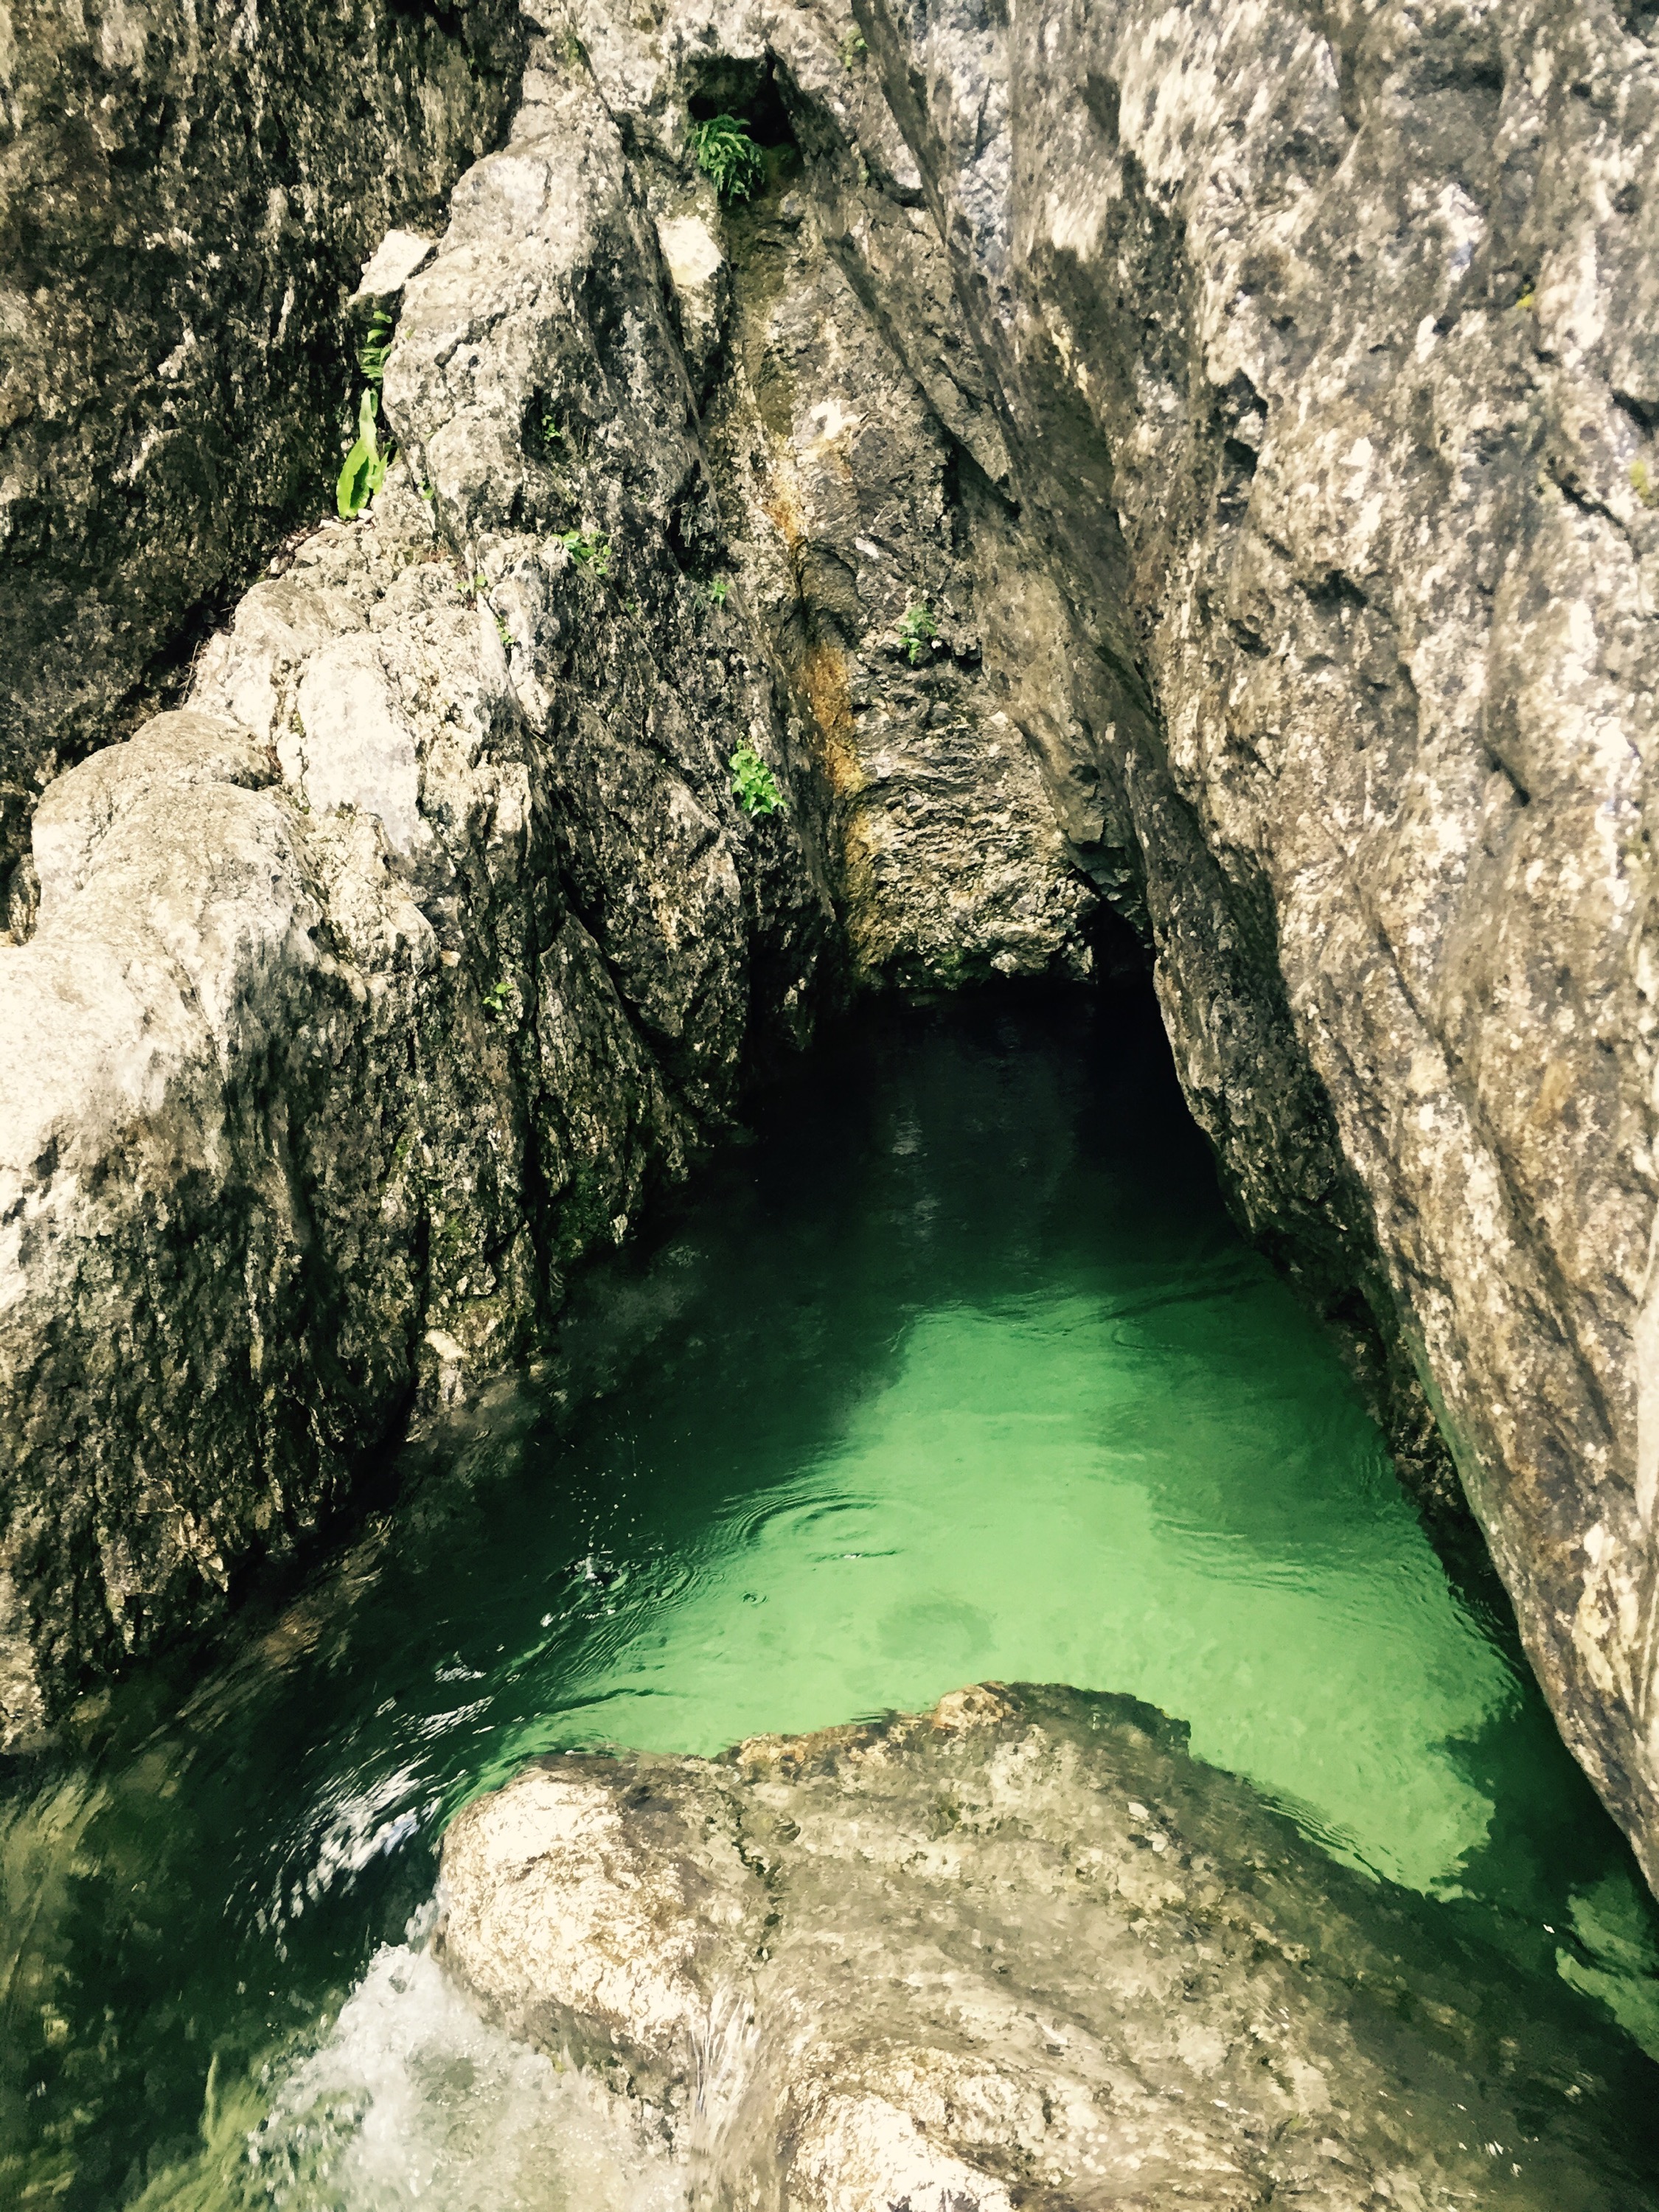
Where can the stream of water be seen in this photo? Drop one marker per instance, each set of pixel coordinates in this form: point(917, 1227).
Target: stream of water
point(957, 1372)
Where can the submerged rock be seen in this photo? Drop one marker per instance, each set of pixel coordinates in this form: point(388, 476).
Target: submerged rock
point(1020, 1950)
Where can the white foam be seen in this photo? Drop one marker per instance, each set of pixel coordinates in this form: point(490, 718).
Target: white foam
point(413, 2100)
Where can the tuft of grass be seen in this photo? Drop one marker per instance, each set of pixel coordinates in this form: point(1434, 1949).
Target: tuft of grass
point(726, 153)
point(715, 592)
point(589, 552)
point(1641, 484)
point(917, 633)
point(756, 786)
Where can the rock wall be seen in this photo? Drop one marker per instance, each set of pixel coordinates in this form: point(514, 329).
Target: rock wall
point(1327, 342)
point(186, 193)
point(384, 978)
point(1300, 372)
point(1258, 403)
point(379, 984)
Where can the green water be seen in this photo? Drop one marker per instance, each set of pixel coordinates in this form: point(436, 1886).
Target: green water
point(957, 1372)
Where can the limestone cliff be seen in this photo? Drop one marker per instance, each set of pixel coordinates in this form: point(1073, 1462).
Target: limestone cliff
point(384, 978)
point(380, 982)
point(1327, 346)
point(1197, 462)
point(1300, 371)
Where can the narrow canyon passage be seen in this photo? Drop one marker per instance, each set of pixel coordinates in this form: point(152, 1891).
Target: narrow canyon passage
point(958, 1373)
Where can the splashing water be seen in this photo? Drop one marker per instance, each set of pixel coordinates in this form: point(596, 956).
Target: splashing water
point(411, 2099)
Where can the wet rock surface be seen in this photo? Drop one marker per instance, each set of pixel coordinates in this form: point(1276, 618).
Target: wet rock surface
point(1328, 349)
point(1022, 1949)
point(185, 195)
point(380, 982)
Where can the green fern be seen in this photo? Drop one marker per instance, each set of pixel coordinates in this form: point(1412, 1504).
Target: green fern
point(917, 633)
point(726, 153)
point(372, 354)
point(588, 551)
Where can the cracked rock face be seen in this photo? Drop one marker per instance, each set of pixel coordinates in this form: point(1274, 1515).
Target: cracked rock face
point(1296, 372)
point(1327, 343)
point(1195, 462)
point(380, 983)
point(185, 195)
point(1022, 1949)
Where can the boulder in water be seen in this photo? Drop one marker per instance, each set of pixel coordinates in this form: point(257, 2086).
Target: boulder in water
point(1022, 1949)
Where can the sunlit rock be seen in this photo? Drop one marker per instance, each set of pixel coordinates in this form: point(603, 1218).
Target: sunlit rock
point(1021, 1947)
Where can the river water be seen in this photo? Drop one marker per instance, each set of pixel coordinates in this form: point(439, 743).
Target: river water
point(958, 1371)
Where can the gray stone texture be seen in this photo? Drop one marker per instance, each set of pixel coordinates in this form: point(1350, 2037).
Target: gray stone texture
point(1261, 400)
point(1327, 343)
point(1021, 1950)
point(380, 983)
point(1300, 371)
point(187, 193)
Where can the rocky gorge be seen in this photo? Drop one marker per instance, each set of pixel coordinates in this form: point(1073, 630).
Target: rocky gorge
point(1146, 484)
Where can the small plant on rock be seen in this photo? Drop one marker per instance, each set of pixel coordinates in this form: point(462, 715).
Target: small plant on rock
point(498, 998)
point(717, 590)
point(917, 633)
point(364, 468)
point(852, 49)
point(589, 552)
point(726, 153)
point(372, 354)
point(756, 786)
